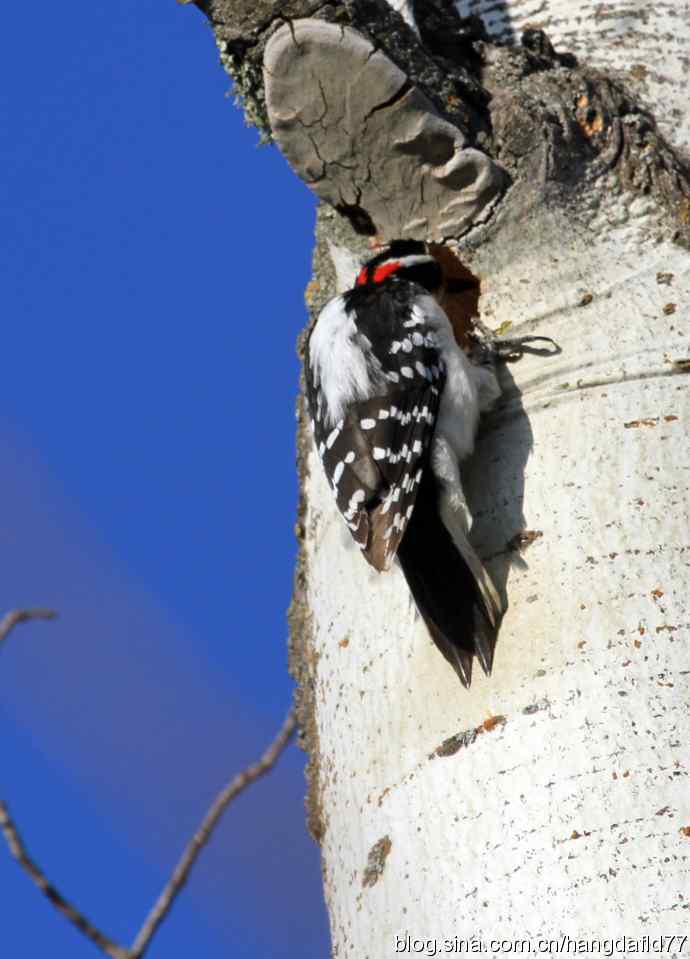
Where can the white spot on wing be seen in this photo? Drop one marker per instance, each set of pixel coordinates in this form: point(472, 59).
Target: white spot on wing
point(357, 497)
point(417, 318)
point(332, 437)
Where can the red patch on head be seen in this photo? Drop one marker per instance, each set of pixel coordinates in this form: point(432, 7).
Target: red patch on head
point(380, 273)
point(385, 270)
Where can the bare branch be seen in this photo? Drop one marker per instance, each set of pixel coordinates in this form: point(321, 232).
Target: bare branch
point(14, 841)
point(19, 852)
point(172, 889)
point(203, 834)
point(181, 873)
point(16, 616)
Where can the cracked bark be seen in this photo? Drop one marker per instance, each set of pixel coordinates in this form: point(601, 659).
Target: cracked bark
point(545, 822)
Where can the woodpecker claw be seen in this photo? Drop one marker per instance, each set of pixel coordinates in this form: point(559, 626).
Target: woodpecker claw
point(509, 348)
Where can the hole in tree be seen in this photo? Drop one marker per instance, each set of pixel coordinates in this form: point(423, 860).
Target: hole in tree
point(461, 292)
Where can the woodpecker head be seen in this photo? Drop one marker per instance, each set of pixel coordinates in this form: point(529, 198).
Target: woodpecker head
point(433, 267)
point(405, 260)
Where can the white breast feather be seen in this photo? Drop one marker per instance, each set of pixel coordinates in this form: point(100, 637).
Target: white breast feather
point(458, 414)
point(468, 390)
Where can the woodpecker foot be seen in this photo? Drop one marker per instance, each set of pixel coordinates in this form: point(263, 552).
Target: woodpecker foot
point(488, 347)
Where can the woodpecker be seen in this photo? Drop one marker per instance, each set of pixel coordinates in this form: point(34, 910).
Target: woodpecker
point(395, 404)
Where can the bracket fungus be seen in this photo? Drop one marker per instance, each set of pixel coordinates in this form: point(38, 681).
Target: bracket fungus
point(367, 141)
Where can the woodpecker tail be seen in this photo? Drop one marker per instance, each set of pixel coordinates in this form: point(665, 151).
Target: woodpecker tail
point(452, 590)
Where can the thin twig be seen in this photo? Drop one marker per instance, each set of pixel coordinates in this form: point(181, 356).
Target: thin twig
point(14, 841)
point(11, 619)
point(203, 834)
point(173, 887)
point(19, 852)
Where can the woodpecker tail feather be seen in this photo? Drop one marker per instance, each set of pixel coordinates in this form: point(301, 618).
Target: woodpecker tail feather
point(491, 603)
point(452, 590)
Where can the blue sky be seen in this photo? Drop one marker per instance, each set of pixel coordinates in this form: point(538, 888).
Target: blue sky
point(153, 266)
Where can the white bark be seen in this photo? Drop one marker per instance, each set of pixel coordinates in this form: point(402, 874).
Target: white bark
point(562, 805)
point(591, 667)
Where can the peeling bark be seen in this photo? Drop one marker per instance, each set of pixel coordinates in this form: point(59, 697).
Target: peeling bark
point(553, 797)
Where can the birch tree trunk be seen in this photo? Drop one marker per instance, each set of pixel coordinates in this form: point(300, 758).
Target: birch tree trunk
point(551, 798)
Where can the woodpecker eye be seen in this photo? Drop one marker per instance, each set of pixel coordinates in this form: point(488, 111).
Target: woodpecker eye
point(429, 275)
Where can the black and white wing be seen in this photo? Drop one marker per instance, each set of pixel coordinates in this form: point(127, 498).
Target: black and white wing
point(374, 414)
